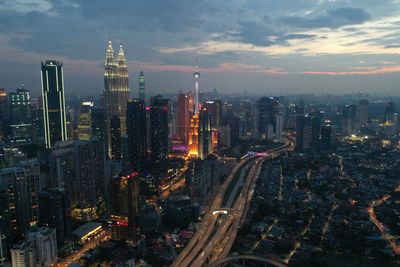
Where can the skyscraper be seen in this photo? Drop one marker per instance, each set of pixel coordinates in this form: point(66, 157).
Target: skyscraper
point(124, 205)
point(363, 116)
point(214, 108)
point(303, 132)
point(85, 121)
point(54, 212)
point(205, 141)
point(142, 87)
point(20, 116)
point(55, 122)
point(79, 168)
point(98, 122)
point(136, 130)
point(184, 115)
point(159, 133)
point(13, 181)
point(115, 138)
point(116, 89)
point(3, 113)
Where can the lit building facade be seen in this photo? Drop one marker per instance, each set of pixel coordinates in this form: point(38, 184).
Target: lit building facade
point(142, 87)
point(20, 117)
point(124, 205)
point(115, 138)
point(116, 89)
point(85, 121)
point(55, 122)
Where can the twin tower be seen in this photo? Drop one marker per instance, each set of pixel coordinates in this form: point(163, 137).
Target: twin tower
point(116, 86)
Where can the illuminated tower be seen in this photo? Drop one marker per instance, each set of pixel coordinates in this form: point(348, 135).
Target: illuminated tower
point(55, 122)
point(196, 75)
point(116, 88)
point(142, 93)
point(193, 144)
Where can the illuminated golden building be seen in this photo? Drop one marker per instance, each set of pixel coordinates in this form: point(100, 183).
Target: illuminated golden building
point(193, 145)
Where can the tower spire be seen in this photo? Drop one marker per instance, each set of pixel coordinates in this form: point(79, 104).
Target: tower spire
point(196, 75)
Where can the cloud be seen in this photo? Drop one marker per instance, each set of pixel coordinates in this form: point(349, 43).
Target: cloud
point(358, 71)
point(335, 18)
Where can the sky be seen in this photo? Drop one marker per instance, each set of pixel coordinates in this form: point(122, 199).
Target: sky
point(261, 47)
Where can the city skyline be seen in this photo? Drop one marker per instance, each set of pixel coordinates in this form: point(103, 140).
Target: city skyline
point(261, 47)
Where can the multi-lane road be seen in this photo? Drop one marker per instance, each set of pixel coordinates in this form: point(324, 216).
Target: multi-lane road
point(220, 224)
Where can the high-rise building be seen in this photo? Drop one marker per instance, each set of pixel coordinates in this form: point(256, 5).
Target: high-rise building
point(3, 113)
point(55, 122)
point(124, 205)
point(116, 89)
point(98, 122)
point(136, 130)
point(115, 138)
point(54, 212)
point(390, 111)
point(204, 136)
point(214, 108)
point(20, 120)
point(185, 104)
point(13, 181)
point(44, 241)
point(363, 116)
point(279, 121)
point(326, 137)
point(193, 142)
point(23, 255)
point(349, 119)
point(316, 122)
point(266, 110)
point(303, 132)
point(85, 121)
point(32, 177)
point(6, 235)
point(79, 168)
point(159, 133)
point(142, 87)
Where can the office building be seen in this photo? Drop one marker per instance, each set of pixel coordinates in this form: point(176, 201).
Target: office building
point(54, 113)
point(214, 108)
point(142, 87)
point(303, 132)
point(85, 121)
point(136, 130)
point(124, 205)
point(13, 181)
point(326, 138)
point(3, 113)
point(79, 168)
point(20, 120)
point(363, 113)
point(98, 122)
point(115, 138)
point(204, 136)
point(159, 133)
point(185, 105)
point(32, 177)
point(54, 212)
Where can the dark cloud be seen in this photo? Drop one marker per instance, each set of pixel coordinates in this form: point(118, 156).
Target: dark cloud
point(333, 19)
point(256, 33)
